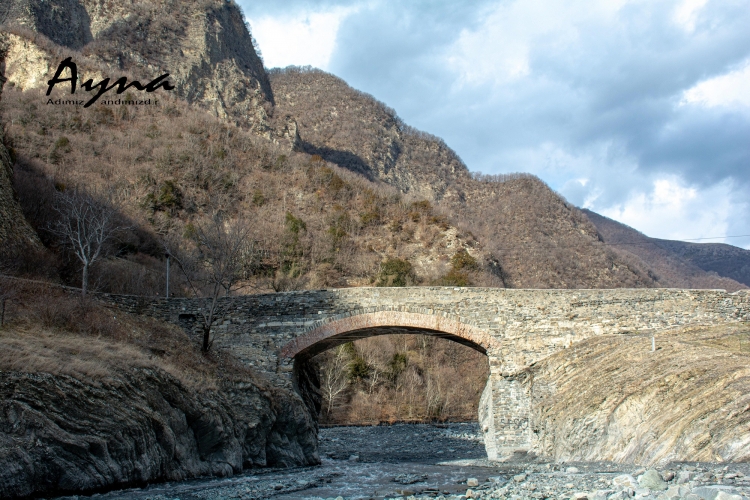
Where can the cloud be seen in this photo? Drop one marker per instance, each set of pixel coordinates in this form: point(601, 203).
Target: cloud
point(304, 38)
point(673, 210)
point(731, 90)
point(623, 94)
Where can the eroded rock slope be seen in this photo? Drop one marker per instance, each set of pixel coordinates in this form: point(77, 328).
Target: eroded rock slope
point(615, 399)
point(59, 433)
point(203, 45)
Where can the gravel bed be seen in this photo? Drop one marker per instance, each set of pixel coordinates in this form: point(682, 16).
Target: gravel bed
point(448, 462)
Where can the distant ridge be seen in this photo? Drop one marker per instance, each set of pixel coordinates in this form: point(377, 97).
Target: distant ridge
point(676, 263)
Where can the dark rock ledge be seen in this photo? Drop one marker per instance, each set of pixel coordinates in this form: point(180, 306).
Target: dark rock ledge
point(59, 434)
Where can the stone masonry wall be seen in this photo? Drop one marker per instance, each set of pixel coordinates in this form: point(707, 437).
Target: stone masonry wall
point(515, 328)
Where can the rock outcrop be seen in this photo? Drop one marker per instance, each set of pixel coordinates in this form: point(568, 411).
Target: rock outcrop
point(203, 45)
point(64, 434)
point(14, 229)
point(611, 398)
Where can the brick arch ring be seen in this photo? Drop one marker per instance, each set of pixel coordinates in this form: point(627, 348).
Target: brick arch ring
point(353, 326)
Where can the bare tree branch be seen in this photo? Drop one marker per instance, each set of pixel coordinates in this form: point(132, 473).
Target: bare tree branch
point(86, 224)
point(221, 261)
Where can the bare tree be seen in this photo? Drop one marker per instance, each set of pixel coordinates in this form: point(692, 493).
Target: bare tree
point(333, 380)
point(223, 256)
point(86, 224)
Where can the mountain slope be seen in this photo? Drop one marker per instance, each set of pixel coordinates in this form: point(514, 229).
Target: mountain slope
point(203, 44)
point(725, 260)
point(668, 261)
point(521, 233)
point(533, 237)
point(355, 131)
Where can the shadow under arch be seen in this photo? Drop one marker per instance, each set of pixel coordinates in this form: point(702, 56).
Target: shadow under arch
point(357, 325)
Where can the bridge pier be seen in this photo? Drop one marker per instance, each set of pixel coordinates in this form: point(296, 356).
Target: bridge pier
point(504, 411)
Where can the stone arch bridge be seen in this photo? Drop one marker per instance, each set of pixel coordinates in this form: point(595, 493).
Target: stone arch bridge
point(515, 328)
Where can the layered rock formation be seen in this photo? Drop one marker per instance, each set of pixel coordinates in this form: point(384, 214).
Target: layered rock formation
point(613, 398)
point(61, 434)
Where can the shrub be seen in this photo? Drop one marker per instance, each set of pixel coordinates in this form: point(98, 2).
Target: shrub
point(358, 369)
point(258, 199)
point(454, 278)
point(395, 272)
point(462, 260)
point(370, 217)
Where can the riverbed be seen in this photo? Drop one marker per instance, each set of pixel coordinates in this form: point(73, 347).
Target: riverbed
point(434, 461)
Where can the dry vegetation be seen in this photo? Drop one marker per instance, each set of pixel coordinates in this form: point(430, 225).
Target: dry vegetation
point(49, 330)
point(314, 224)
point(401, 378)
point(530, 237)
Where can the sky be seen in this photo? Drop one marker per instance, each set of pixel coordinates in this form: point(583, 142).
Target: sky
point(636, 109)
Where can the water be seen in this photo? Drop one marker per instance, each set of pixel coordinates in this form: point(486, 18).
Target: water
point(357, 463)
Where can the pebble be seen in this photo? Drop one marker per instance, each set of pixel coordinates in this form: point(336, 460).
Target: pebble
point(472, 481)
point(651, 479)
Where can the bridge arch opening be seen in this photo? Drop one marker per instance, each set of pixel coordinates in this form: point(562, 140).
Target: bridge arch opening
point(391, 367)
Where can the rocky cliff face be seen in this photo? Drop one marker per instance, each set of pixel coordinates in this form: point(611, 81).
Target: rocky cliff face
point(63, 434)
point(616, 399)
point(203, 44)
point(14, 230)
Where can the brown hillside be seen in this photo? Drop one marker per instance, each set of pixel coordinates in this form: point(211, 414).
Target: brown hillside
point(355, 131)
point(669, 266)
point(533, 237)
point(540, 240)
point(725, 260)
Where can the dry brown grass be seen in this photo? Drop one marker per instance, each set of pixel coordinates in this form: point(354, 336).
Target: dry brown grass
point(167, 179)
point(49, 330)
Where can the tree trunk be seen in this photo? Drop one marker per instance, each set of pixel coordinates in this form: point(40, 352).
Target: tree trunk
point(206, 338)
point(85, 278)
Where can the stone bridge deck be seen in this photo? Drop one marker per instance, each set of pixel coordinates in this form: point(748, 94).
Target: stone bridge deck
point(515, 328)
